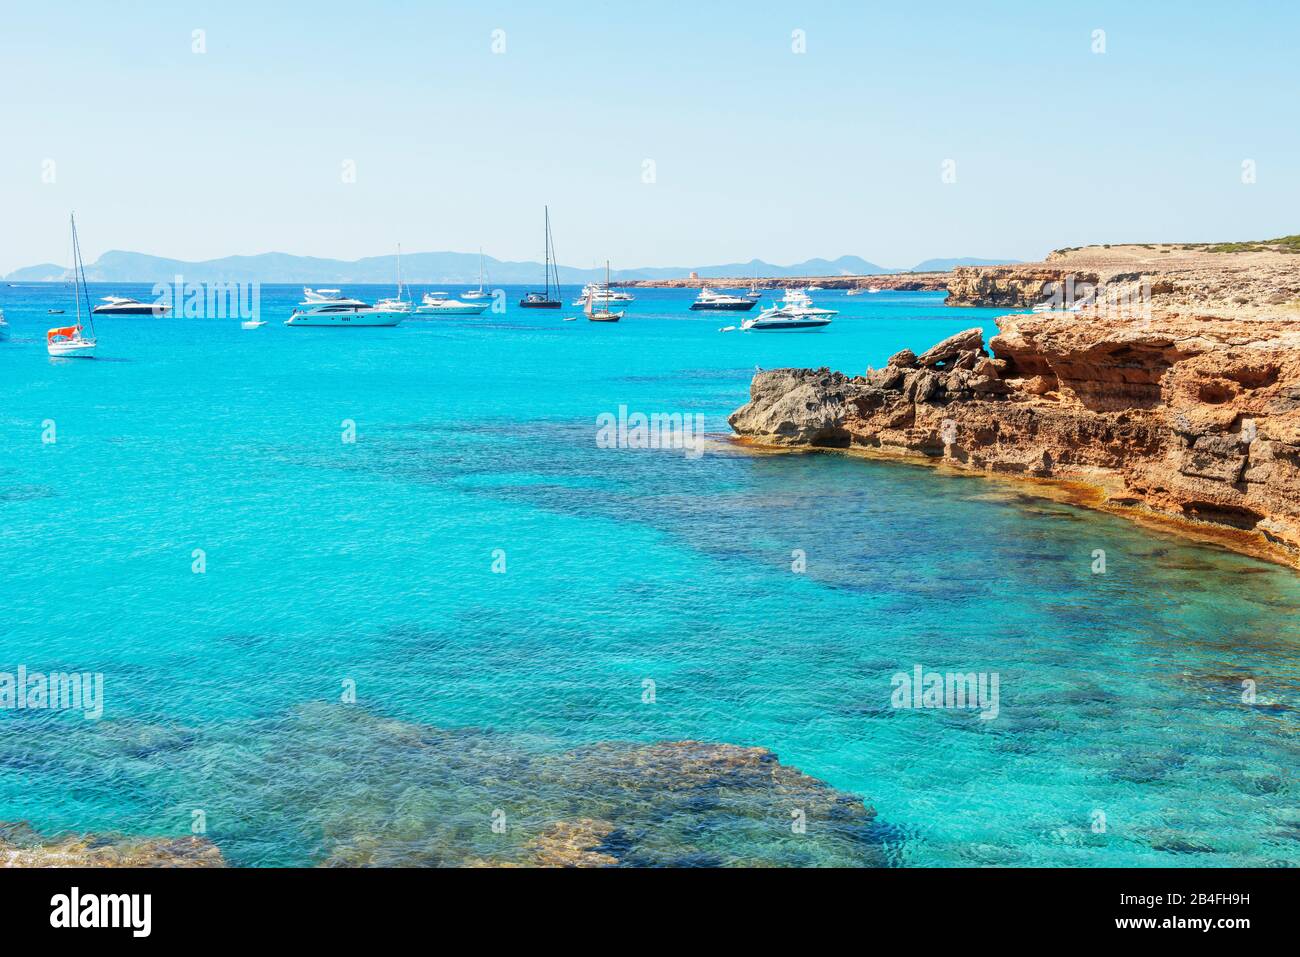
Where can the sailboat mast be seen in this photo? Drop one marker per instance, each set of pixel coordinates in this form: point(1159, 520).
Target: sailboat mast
point(547, 252)
point(79, 278)
point(76, 282)
point(480, 269)
point(399, 270)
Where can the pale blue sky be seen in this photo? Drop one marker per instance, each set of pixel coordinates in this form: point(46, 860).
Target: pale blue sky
point(759, 151)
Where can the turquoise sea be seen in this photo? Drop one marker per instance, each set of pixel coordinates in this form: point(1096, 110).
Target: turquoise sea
point(1122, 736)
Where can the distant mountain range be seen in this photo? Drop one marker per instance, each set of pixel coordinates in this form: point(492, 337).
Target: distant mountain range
point(449, 268)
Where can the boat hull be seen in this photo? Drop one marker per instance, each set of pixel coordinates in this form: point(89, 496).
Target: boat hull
point(723, 306)
point(141, 309)
point(346, 319)
point(780, 325)
point(72, 349)
point(451, 310)
point(544, 304)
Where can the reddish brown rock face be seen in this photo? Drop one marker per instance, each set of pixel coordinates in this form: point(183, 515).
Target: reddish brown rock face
point(1193, 416)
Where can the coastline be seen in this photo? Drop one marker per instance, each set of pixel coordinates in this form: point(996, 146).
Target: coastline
point(1077, 492)
point(1172, 399)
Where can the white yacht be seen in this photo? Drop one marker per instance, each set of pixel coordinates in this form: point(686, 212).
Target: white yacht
point(599, 292)
point(440, 304)
point(4, 327)
point(122, 306)
point(708, 299)
point(329, 307)
point(795, 311)
point(480, 292)
point(396, 303)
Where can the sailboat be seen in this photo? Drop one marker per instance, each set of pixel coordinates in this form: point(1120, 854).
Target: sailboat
point(602, 315)
point(479, 293)
point(543, 300)
point(754, 291)
point(396, 304)
point(70, 341)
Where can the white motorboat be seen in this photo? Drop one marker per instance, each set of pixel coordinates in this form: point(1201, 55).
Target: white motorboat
point(873, 289)
point(122, 306)
point(4, 327)
point(795, 311)
point(440, 304)
point(480, 292)
point(600, 292)
point(71, 342)
point(329, 307)
point(708, 299)
point(252, 324)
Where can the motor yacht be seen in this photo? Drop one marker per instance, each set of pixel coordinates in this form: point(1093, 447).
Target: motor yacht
point(599, 292)
point(708, 299)
point(329, 307)
point(122, 306)
point(440, 304)
point(794, 311)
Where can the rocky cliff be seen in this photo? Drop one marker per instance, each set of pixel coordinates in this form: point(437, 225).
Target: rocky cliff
point(1192, 416)
point(1200, 277)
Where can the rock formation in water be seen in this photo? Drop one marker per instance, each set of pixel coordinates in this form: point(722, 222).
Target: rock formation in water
point(1193, 416)
point(22, 847)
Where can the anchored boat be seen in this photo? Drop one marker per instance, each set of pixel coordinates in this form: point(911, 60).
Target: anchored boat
point(708, 299)
point(329, 307)
point(71, 342)
point(602, 315)
point(543, 300)
point(795, 311)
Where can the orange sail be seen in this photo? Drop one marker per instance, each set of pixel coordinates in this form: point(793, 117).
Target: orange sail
point(67, 332)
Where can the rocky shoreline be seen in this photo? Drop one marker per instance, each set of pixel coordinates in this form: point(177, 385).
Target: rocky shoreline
point(1191, 414)
point(909, 282)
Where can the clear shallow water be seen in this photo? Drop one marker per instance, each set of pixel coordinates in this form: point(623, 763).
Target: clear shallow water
point(373, 562)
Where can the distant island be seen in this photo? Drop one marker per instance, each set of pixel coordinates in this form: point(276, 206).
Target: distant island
point(440, 267)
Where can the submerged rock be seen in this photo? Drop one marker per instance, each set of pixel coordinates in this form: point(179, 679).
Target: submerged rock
point(368, 791)
point(21, 847)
